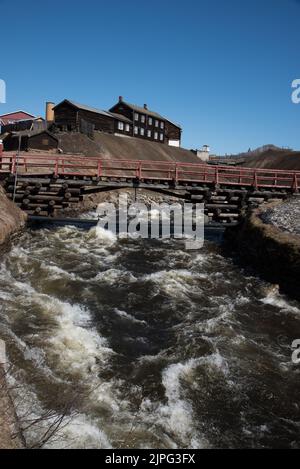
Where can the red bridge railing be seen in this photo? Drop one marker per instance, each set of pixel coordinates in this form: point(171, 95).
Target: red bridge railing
point(149, 170)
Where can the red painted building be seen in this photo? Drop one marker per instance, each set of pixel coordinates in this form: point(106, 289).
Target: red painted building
point(13, 117)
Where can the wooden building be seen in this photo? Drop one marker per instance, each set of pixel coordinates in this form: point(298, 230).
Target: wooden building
point(71, 116)
point(36, 140)
point(123, 119)
point(149, 125)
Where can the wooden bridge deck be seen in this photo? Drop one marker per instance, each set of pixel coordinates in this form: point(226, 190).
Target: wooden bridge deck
point(42, 184)
point(72, 166)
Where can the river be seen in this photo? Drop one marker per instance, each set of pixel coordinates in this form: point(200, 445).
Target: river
point(143, 344)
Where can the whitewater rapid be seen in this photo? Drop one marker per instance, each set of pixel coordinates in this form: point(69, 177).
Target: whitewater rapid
point(142, 344)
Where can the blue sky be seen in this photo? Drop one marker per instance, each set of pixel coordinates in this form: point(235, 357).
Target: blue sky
point(223, 69)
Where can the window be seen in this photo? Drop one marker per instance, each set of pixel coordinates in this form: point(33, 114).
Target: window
point(136, 116)
point(149, 133)
point(142, 131)
point(162, 125)
point(120, 125)
point(156, 135)
point(156, 123)
point(127, 128)
point(136, 130)
point(150, 121)
point(161, 137)
point(143, 118)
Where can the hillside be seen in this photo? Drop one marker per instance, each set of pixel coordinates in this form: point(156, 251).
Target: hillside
point(274, 159)
point(122, 148)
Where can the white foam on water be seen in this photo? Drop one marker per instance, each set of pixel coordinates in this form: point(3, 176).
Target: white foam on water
point(81, 432)
point(113, 276)
point(279, 301)
point(56, 272)
point(177, 282)
point(129, 317)
point(105, 236)
point(177, 415)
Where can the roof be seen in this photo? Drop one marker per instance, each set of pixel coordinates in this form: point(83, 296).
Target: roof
point(33, 133)
point(148, 112)
point(15, 116)
point(94, 110)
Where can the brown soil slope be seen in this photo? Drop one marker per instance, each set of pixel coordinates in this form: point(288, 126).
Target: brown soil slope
point(123, 148)
point(280, 159)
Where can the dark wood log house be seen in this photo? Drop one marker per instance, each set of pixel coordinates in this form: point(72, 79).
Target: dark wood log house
point(72, 116)
point(123, 119)
point(149, 125)
point(36, 140)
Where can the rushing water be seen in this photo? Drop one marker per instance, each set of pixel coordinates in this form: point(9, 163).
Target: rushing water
point(152, 346)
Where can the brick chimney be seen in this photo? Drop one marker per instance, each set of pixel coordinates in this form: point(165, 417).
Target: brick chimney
point(120, 99)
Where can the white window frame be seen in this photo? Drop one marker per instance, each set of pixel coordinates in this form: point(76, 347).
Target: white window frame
point(127, 128)
point(136, 130)
point(142, 131)
point(162, 125)
point(136, 116)
point(143, 118)
point(161, 137)
point(120, 125)
point(155, 135)
point(156, 123)
point(150, 121)
point(149, 133)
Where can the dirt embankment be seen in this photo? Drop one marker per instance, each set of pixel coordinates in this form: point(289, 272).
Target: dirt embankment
point(12, 219)
point(273, 252)
point(113, 147)
point(274, 159)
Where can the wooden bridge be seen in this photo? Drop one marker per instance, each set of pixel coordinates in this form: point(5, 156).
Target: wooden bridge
point(43, 184)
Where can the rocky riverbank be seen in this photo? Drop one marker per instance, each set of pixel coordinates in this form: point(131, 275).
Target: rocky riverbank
point(12, 220)
point(269, 241)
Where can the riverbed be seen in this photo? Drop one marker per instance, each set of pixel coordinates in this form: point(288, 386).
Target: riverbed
point(143, 344)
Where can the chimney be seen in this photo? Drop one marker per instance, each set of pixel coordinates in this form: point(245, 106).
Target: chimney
point(120, 99)
point(146, 106)
point(49, 112)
